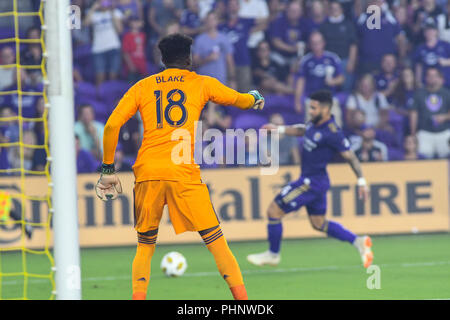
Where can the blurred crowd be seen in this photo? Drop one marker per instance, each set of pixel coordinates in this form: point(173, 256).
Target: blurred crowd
point(388, 68)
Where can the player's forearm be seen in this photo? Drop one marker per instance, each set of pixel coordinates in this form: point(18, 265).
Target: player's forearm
point(244, 101)
point(297, 130)
point(111, 137)
point(354, 163)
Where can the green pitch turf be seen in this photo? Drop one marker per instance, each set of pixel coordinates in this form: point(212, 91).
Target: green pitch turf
point(411, 267)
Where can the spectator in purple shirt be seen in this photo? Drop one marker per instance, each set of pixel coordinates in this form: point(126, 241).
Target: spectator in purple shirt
point(213, 53)
point(318, 69)
point(238, 31)
point(374, 43)
point(268, 74)
point(386, 81)
point(432, 53)
point(289, 33)
point(190, 21)
point(317, 14)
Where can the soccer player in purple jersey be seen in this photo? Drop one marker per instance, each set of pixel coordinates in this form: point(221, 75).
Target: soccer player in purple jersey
point(322, 139)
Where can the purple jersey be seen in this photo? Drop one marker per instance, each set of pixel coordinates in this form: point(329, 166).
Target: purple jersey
point(376, 42)
point(238, 35)
point(288, 33)
point(429, 57)
point(314, 69)
point(382, 81)
point(320, 145)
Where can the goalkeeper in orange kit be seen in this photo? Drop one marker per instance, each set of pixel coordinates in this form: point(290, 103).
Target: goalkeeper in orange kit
point(168, 101)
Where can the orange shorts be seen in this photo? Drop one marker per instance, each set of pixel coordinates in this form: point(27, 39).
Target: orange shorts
point(189, 205)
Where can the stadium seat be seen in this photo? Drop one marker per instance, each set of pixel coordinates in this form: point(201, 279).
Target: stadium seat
point(86, 89)
point(111, 91)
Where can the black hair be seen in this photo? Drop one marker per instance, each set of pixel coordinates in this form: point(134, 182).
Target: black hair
point(81, 107)
point(175, 49)
point(438, 70)
point(324, 97)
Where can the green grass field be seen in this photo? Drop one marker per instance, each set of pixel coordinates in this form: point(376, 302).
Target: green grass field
point(412, 267)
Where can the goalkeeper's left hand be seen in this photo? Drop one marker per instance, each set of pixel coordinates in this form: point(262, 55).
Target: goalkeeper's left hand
point(259, 100)
point(108, 186)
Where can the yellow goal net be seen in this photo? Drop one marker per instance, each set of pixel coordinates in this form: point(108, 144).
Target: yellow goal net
point(26, 262)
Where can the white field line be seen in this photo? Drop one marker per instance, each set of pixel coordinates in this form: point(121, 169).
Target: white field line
point(264, 270)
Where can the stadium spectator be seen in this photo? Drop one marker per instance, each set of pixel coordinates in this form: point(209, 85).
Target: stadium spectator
point(340, 37)
point(289, 33)
point(367, 149)
point(22, 157)
point(133, 49)
point(386, 80)
point(86, 162)
point(9, 129)
point(422, 15)
point(257, 10)
point(318, 69)
point(33, 56)
point(432, 53)
point(268, 74)
point(276, 8)
point(403, 96)
point(81, 36)
point(373, 45)
point(8, 74)
point(190, 21)
point(410, 147)
point(402, 16)
point(213, 53)
point(238, 31)
point(430, 116)
point(107, 26)
point(163, 12)
point(89, 131)
point(289, 151)
point(317, 14)
point(367, 99)
point(130, 10)
point(33, 33)
point(354, 126)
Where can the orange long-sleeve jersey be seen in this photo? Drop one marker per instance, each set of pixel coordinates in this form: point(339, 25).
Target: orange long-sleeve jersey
point(170, 104)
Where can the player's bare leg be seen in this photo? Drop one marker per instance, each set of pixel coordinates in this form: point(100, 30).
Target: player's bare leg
point(275, 229)
point(142, 263)
point(225, 261)
point(333, 229)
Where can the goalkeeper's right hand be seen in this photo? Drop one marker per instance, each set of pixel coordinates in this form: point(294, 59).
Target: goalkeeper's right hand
point(108, 186)
point(259, 99)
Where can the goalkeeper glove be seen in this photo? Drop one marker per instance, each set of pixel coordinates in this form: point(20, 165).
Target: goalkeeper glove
point(259, 99)
point(108, 186)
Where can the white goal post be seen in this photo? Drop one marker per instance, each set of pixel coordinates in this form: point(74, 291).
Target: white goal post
point(62, 149)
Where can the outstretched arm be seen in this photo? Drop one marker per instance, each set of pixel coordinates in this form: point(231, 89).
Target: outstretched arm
point(352, 159)
point(297, 130)
point(221, 94)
